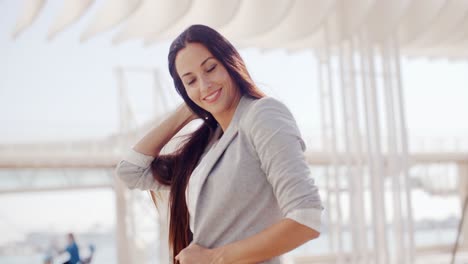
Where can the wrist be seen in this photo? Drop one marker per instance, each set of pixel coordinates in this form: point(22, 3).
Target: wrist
point(220, 256)
point(225, 254)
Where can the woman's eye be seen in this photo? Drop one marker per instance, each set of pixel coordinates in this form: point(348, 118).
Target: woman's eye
point(191, 82)
point(211, 68)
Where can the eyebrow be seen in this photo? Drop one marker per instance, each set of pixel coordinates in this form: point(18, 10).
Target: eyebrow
point(200, 65)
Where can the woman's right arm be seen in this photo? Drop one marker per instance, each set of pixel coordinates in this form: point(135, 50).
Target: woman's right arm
point(135, 168)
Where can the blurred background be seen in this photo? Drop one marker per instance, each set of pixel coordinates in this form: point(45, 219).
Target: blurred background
point(378, 88)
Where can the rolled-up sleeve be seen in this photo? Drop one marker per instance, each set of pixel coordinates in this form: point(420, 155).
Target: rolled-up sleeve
point(135, 171)
point(280, 148)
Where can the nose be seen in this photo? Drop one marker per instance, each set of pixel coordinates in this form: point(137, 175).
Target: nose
point(205, 83)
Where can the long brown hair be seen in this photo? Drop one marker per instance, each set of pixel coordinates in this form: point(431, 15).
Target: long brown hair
point(175, 169)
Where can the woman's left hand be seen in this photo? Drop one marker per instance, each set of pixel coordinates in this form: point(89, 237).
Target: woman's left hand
point(196, 254)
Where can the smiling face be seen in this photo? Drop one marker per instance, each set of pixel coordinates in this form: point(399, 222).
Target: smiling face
point(207, 82)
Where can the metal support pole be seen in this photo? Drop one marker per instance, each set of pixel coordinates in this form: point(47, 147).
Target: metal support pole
point(333, 145)
point(378, 178)
point(404, 155)
point(375, 159)
point(343, 56)
point(392, 158)
point(163, 227)
point(123, 245)
point(121, 105)
point(358, 161)
point(460, 230)
point(325, 128)
point(161, 97)
point(463, 194)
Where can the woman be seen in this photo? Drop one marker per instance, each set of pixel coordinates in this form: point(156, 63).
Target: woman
point(240, 188)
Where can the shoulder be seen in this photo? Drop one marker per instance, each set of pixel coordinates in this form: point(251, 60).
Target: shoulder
point(266, 110)
point(268, 121)
point(268, 103)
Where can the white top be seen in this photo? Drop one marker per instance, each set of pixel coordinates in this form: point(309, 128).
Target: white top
point(194, 184)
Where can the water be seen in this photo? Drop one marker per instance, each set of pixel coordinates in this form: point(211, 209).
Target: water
point(422, 238)
point(106, 254)
point(21, 259)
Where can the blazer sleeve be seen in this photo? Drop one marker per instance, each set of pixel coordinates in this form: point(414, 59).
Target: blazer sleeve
point(135, 171)
point(280, 149)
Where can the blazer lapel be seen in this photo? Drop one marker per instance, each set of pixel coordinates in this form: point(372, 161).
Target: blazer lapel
point(216, 152)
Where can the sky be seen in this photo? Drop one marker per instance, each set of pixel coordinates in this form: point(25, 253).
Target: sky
point(64, 89)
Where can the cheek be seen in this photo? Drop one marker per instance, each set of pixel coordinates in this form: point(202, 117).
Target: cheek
point(223, 76)
point(230, 82)
point(193, 94)
point(224, 79)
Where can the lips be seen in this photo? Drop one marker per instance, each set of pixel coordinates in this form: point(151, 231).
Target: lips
point(212, 96)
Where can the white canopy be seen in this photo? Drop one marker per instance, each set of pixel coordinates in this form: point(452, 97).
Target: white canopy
point(422, 27)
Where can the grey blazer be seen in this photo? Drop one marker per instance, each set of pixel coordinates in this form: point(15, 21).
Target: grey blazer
point(252, 178)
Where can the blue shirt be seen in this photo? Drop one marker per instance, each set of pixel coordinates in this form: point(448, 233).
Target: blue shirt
point(72, 249)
